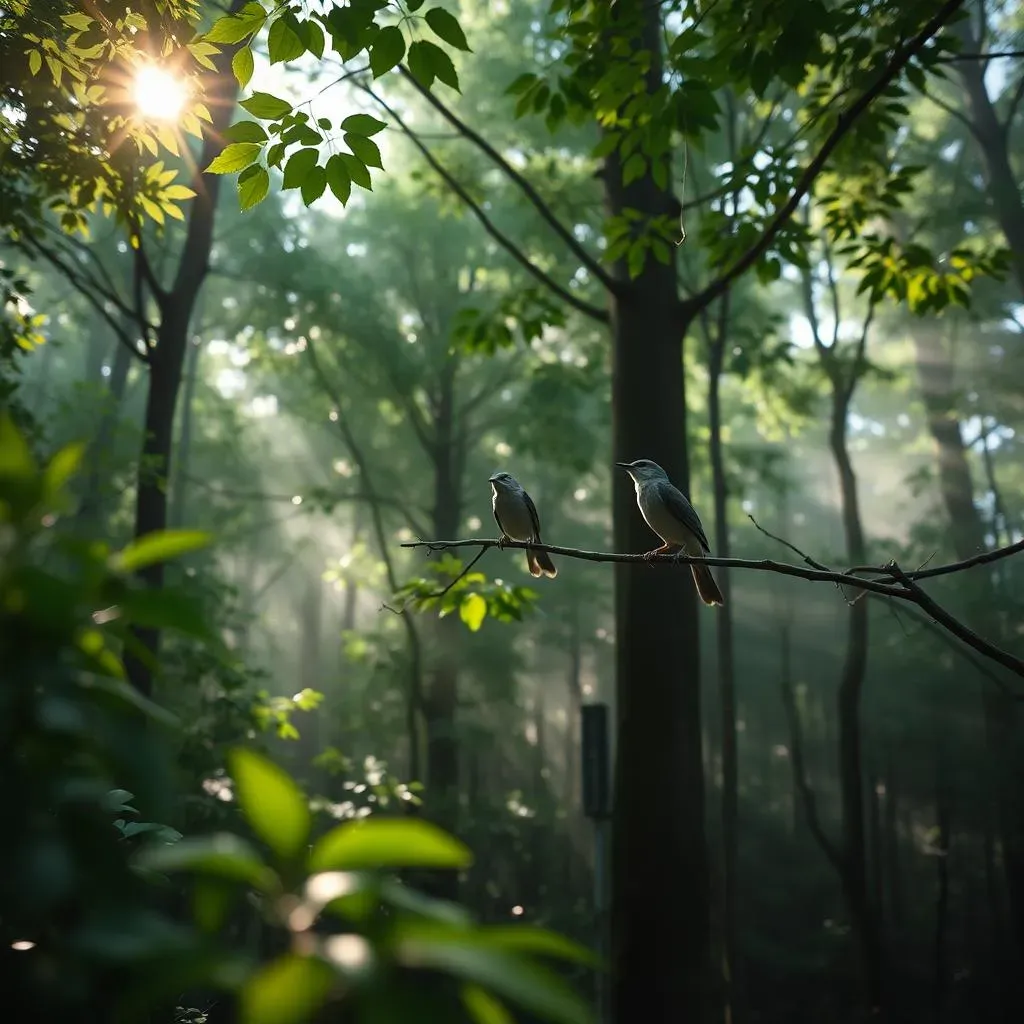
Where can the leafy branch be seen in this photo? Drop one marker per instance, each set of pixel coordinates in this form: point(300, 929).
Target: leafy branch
point(894, 582)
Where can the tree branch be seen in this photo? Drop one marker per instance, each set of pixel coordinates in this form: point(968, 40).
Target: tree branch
point(846, 121)
point(902, 586)
point(503, 240)
point(588, 261)
point(92, 292)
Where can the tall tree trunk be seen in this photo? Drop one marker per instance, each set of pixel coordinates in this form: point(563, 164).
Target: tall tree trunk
point(726, 671)
point(942, 882)
point(168, 354)
point(659, 901)
point(183, 451)
point(993, 137)
point(441, 698)
point(890, 825)
point(863, 914)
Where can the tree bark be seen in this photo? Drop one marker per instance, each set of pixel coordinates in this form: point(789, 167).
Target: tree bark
point(167, 355)
point(183, 450)
point(726, 669)
point(863, 914)
point(659, 900)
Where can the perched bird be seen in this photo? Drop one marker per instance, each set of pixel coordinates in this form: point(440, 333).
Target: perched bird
point(516, 516)
point(668, 512)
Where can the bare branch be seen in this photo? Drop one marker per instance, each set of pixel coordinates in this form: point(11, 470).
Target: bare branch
point(899, 60)
point(503, 240)
point(90, 289)
point(588, 261)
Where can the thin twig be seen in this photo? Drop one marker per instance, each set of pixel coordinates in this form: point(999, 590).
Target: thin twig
point(588, 261)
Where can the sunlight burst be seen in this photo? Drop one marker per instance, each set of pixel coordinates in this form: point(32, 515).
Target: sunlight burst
point(158, 94)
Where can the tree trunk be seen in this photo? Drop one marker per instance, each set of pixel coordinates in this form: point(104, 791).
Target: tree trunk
point(441, 697)
point(183, 452)
point(659, 901)
point(936, 378)
point(993, 139)
point(167, 356)
point(890, 825)
point(726, 670)
point(942, 883)
point(863, 915)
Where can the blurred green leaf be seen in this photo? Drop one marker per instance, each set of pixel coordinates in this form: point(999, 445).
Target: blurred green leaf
point(387, 843)
point(483, 1007)
point(473, 611)
point(15, 456)
point(272, 803)
point(61, 468)
point(161, 546)
point(222, 855)
point(527, 938)
point(288, 990)
point(458, 952)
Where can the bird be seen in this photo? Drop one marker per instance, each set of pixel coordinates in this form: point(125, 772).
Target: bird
point(668, 512)
point(516, 516)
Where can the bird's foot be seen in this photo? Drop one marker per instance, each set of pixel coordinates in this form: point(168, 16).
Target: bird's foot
point(657, 551)
point(503, 540)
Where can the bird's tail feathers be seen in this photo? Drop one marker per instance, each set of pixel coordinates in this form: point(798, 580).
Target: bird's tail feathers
point(539, 563)
point(706, 585)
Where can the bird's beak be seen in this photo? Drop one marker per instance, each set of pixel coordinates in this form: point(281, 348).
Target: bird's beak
point(625, 465)
point(491, 479)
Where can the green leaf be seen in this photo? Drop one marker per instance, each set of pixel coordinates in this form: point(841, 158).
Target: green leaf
point(165, 609)
point(235, 28)
point(314, 185)
point(387, 50)
point(283, 43)
point(272, 803)
point(15, 455)
point(218, 856)
point(161, 546)
point(365, 149)
point(243, 65)
point(35, 62)
point(516, 979)
point(288, 990)
point(62, 468)
point(362, 124)
point(266, 106)
point(235, 157)
point(246, 131)
point(338, 179)
point(446, 25)
point(428, 61)
point(526, 938)
point(356, 170)
point(253, 186)
point(387, 843)
point(298, 167)
point(473, 611)
point(483, 1007)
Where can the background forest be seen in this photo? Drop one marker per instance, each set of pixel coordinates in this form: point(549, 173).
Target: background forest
point(819, 790)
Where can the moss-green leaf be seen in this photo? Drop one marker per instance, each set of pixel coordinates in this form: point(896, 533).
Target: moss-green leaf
point(338, 179)
point(362, 124)
point(272, 803)
point(387, 843)
point(283, 43)
point(298, 167)
point(365, 149)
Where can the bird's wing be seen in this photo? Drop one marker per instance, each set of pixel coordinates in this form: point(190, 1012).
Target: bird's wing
point(494, 512)
point(534, 518)
point(676, 502)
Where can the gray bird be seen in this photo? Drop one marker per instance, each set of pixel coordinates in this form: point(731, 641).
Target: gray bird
point(668, 512)
point(516, 516)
